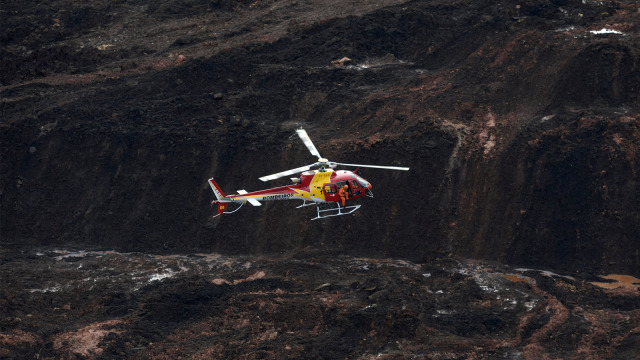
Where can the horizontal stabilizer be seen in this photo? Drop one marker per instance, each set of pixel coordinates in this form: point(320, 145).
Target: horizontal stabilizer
point(254, 202)
point(251, 201)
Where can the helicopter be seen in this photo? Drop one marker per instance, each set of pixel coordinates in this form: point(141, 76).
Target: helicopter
point(321, 187)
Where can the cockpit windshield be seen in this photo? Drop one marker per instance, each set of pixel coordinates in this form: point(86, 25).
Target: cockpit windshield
point(364, 183)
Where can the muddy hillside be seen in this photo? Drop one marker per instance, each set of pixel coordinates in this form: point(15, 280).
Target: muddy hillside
point(519, 120)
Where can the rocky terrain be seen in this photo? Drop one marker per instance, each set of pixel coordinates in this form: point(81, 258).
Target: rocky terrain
point(308, 304)
point(519, 120)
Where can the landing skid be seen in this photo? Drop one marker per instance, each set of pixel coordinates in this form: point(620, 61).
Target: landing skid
point(334, 211)
point(327, 211)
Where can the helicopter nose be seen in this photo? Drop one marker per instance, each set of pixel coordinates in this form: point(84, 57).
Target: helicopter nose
point(368, 192)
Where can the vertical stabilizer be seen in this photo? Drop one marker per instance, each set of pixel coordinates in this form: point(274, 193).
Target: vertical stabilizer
point(216, 189)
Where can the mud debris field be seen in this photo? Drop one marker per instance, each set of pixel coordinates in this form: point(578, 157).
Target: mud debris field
point(71, 304)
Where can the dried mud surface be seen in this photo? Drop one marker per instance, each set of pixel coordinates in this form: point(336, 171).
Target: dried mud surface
point(69, 304)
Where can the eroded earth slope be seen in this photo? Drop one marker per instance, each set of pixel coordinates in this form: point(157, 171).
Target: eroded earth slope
point(519, 122)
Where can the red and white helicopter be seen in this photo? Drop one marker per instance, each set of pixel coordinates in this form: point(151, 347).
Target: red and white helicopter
point(315, 187)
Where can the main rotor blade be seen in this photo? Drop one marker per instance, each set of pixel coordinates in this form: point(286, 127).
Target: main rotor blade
point(308, 143)
point(286, 173)
point(375, 166)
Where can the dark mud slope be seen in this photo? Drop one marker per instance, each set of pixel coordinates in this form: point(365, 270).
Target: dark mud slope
point(520, 125)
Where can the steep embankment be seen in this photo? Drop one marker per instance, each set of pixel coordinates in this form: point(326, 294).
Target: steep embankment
point(520, 125)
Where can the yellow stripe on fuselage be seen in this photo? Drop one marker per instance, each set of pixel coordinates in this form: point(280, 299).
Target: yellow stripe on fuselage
point(267, 197)
point(302, 194)
point(319, 179)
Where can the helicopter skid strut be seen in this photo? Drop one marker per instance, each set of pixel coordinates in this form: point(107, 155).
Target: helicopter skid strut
point(335, 211)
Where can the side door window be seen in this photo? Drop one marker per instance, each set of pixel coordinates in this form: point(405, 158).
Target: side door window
point(330, 192)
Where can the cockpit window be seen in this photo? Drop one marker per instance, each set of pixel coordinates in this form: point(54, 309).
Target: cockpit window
point(362, 181)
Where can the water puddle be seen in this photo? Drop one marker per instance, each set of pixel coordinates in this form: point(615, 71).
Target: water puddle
point(619, 281)
point(606, 31)
point(547, 273)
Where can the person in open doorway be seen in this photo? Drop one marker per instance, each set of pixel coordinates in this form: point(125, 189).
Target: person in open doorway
point(343, 193)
